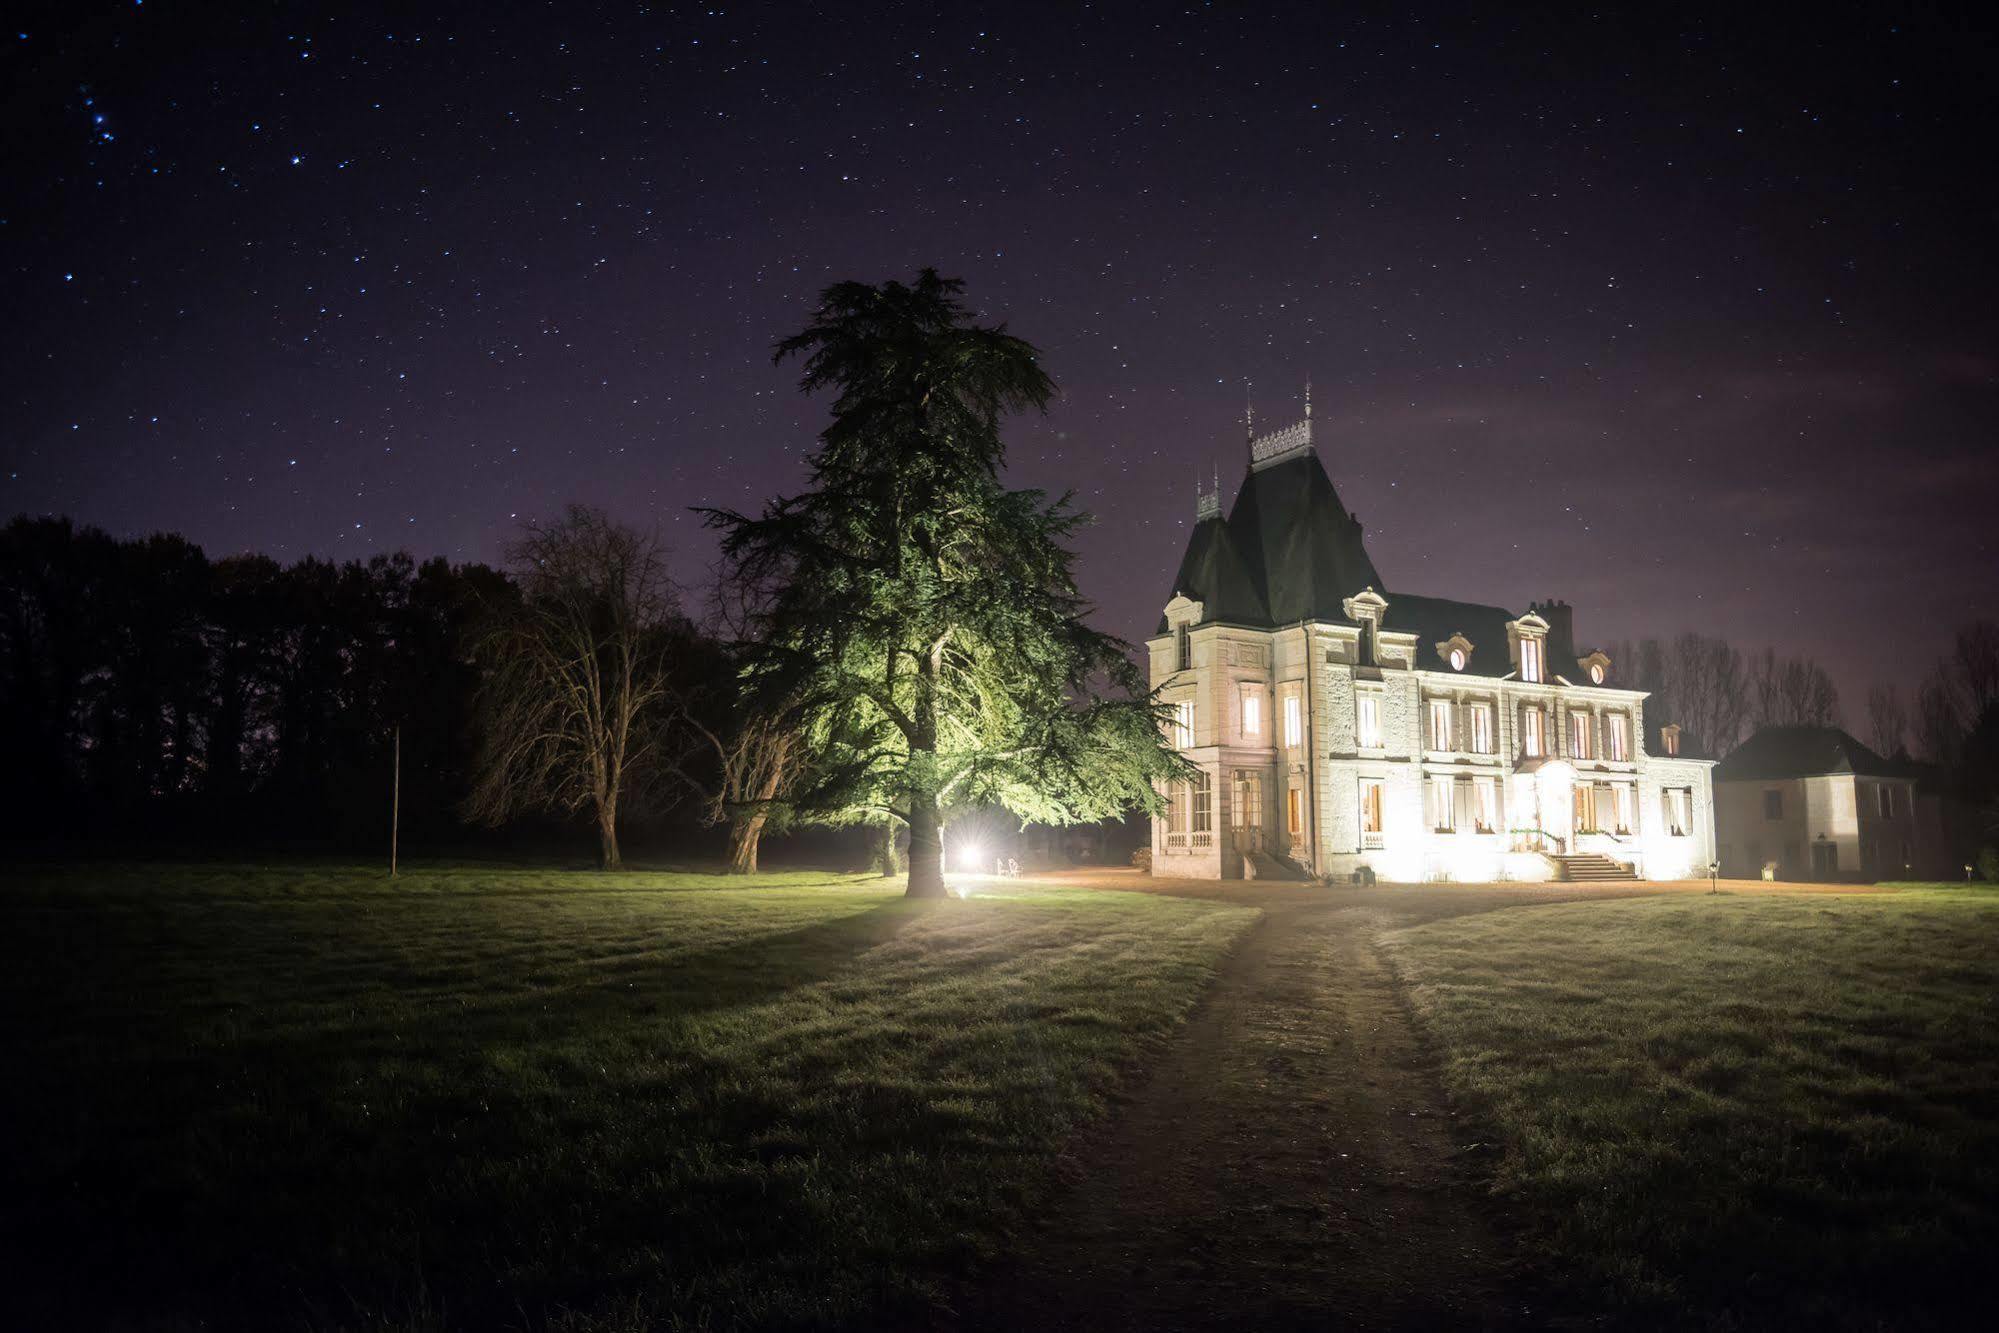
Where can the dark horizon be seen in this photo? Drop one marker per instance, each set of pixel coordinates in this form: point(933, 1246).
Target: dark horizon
point(1688, 323)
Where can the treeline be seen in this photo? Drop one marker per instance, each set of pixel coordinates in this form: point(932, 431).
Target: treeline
point(1722, 696)
point(148, 691)
point(1948, 722)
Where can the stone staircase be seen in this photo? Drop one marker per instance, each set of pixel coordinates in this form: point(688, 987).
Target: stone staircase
point(1260, 864)
point(1592, 868)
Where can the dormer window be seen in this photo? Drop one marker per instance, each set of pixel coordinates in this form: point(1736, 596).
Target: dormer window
point(1596, 673)
point(1596, 666)
point(1456, 652)
point(1669, 738)
point(1183, 652)
point(1533, 662)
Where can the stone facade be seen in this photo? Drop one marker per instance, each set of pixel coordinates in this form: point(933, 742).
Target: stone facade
point(1403, 738)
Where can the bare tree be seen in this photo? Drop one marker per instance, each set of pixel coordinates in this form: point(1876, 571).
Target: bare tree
point(577, 672)
point(1706, 680)
point(758, 762)
point(1887, 719)
point(1976, 663)
point(1791, 691)
point(1940, 717)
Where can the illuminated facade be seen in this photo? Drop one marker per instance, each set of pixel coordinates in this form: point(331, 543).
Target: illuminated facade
point(1341, 729)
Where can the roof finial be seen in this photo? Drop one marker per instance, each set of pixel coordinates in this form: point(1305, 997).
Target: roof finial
point(1308, 398)
point(1248, 410)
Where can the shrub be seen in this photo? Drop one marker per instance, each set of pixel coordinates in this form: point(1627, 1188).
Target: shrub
point(1988, 864)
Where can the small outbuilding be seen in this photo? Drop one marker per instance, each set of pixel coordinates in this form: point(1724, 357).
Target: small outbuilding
point(1813, 803)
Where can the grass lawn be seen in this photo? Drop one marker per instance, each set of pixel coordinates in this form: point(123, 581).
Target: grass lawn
point(305, 1097)
point(1737, 1112)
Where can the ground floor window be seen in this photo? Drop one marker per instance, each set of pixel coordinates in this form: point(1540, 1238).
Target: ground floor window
point(1443, 792)
point(1586, 821)
point(1370, 812)
point(1485, 794)
point(1294, 814)
point(1620, 804)
point(1248, 798)
point(1679, 810)
point(1201, 792)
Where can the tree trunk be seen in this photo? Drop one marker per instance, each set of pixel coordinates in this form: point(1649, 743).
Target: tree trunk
point(926, 833)
point(926, 848)
point(885, 848)
point(744, 835)
point(607, 837)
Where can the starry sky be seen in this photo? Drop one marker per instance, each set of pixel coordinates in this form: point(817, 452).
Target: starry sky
point(1688, 319)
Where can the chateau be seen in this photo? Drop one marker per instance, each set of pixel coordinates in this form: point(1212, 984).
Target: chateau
point(1344, 729)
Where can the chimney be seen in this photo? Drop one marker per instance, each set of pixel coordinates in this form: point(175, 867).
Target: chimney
point(1561, 634)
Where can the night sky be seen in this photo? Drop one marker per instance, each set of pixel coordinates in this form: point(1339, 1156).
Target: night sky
point(1688, 320)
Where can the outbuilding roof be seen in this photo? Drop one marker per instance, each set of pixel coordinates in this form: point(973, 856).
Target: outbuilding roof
point(1803, 752)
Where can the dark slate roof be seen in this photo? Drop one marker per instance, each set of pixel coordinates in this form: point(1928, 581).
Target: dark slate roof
point(1301, 545)
point(1213, 573)
point(1799, 752)
point(1289, 551)
point(1434, 619)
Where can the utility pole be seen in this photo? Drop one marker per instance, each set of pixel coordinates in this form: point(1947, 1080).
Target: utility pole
point(396, 803)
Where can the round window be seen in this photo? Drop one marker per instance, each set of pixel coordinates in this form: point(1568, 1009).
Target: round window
point(1457, 659)
point(1596, 673)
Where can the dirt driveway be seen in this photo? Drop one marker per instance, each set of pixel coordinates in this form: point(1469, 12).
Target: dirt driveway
point(1290, 1162)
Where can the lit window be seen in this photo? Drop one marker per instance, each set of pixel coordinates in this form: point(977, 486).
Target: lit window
point(1596, 673)
point(1620, 803)
point(1579, 730)
point(1486, 790)
point(1248, 810)
point(1176, 808)
point(1294, 813)
point(1457, 659)
point(1202, 792)
point(1442, 792)
point(1670, 738)
point(1679, 811)
point(1183, 725)
point(1183, 653)
point(1440, 724)
point(1620, 737)
point(1481, 728)
point(1370, 805)
point(1586, 815)
point(1367, 718)
point(1531, 743)
point(1294, 720)
point(1530, 659)
point(1252, 710)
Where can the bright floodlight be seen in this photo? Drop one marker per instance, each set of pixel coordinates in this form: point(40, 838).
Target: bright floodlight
point(971, 856)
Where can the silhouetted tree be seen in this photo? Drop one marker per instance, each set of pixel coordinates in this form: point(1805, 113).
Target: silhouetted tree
point(1708, 684)
point(1887, 719)
point(1790, 691)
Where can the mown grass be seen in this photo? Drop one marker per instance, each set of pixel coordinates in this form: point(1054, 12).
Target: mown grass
point(474, 1098)
point(1737, 1112)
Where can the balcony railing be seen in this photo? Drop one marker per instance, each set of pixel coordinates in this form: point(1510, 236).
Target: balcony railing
point(1538, 840)
point(1372, 841)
